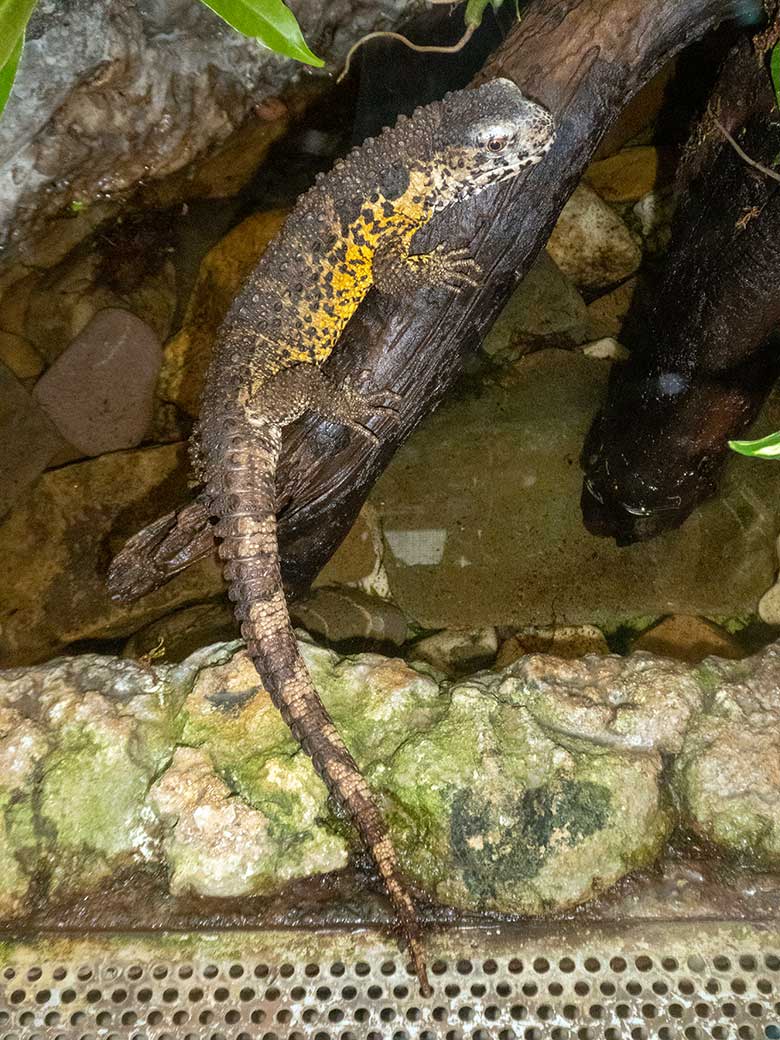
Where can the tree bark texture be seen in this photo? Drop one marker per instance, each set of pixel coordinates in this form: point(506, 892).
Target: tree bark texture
point(583, 60)
point(702, 361)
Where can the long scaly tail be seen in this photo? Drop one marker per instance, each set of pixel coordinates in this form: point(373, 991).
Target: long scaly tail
point(243, 500)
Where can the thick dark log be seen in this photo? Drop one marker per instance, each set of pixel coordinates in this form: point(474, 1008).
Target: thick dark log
point(583, 60)
point(701, 364)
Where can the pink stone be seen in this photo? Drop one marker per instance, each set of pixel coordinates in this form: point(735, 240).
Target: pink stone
point(100, 390)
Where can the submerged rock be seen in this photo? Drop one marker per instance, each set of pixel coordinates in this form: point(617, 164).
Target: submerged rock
point(457, 652)
point(498, 539)
point(29, 440)
point(340, 613)
point(688, 639)
point(523, 791)
point(566, 641)
point(544, 311)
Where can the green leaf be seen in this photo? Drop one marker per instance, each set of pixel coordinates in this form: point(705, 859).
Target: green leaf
point(774, 69)
point(474, 11)
point(14, 16)
point(764, 448)
point(270, 22)
point(8, 72)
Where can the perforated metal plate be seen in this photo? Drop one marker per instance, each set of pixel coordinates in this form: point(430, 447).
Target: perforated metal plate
point(691, 980)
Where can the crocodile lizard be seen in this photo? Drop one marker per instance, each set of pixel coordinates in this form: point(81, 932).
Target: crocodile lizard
point(351, 230)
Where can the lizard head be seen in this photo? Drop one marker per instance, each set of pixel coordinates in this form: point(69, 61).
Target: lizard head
point(487, 134)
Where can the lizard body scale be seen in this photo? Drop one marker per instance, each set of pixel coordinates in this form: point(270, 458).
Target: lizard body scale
point(352, 230)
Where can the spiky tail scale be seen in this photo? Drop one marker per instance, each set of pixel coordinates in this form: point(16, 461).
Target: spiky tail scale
point(243, 499)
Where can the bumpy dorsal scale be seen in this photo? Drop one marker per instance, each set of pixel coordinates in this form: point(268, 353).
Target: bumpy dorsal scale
point(351, 231)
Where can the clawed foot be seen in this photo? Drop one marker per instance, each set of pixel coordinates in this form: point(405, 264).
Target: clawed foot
point(453, 268)
point(351, 406)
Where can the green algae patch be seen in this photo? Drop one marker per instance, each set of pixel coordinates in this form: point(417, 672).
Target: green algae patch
point(490, 813)
point(18, 845)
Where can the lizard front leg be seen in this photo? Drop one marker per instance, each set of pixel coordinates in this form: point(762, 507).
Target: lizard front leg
point(397, 272)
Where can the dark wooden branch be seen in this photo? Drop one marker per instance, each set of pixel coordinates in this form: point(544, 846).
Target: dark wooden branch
point(702, 361)
point(582, 59)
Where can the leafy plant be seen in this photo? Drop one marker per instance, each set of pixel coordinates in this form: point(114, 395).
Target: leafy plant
point(14, 16)
point(268, 21)
point(763, 448)
point(774, 70)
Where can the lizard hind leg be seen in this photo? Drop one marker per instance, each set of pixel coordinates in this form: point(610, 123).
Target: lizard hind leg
point(286, 395)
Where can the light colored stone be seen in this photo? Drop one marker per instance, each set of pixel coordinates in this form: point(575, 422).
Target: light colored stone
point(544, 311)
point(528, 790)
point(99, 392)
point(457, 652)
point(57, 543)
point(728, 777)
point(87, 736)
point(607, 349)
point(591, 244)
point(222, 271)
point(215, 844)
point(357, 559)
point(480, 510)
point(687, 638)
point(630, 174)
point(340, 613)
point(654, 214)
point(566, 641)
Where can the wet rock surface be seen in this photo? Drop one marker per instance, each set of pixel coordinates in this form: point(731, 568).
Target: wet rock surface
point(469, 550)
point(728, 776)
point(57, 543)
point(112, 94)
point(523, 791)
point(545, 311)
point(29, 440)
point(99, 392)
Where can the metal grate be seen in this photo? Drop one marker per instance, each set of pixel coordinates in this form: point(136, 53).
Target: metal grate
point(654, 980)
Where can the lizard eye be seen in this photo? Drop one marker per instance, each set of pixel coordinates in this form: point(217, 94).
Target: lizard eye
point(497, 144)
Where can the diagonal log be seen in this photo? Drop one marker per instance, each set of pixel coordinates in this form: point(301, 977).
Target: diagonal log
point(583, 60)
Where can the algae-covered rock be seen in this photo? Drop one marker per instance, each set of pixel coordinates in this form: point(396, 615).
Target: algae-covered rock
point(217, 845)
point(523, 791)
point(728, 776)
point(495, 810)
point(83, 740)
point(22, 746)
